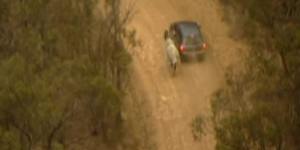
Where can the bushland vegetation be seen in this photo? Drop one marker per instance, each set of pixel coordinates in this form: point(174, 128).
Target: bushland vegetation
point(63, 70)
point(260, 106)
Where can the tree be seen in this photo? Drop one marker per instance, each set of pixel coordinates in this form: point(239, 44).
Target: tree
point(56, 56)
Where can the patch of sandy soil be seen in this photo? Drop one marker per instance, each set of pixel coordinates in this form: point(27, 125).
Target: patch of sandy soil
point(173, 102)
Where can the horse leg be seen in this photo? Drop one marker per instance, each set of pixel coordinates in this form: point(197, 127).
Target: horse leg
point(174, 66)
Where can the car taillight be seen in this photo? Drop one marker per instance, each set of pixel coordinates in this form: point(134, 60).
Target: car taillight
point(204, 45)
point(182, 48)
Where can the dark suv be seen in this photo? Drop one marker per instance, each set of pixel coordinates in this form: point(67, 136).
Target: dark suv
point(188, 38)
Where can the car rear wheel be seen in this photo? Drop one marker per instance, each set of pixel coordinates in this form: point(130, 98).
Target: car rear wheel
point(183, 58)
point(201, 57)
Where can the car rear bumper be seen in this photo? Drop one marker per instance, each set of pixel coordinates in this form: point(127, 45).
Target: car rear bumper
point(196, 55)
point(192, 53)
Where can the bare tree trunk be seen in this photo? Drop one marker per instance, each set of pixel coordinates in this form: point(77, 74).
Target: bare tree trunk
point(53, 133)
point(284, 63)
point(25, 136)
point(279, 146)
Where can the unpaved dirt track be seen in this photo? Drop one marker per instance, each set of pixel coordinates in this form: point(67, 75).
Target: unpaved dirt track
point(175, 101)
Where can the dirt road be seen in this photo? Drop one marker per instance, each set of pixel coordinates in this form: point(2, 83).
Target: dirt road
point(175, 101)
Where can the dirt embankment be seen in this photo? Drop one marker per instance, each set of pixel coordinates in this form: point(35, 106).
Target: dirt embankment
point(171, 103)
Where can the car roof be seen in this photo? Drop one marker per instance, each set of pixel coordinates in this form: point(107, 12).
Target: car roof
point(187, 28)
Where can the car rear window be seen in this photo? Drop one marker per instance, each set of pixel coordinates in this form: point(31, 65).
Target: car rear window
point(191, 34)
point(193, 39)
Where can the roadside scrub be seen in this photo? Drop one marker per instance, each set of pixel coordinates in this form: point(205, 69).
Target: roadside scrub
point(259, 106)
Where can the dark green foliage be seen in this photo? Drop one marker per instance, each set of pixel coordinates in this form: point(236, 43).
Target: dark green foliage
point(58, 58)
point(198, 127)
point(259, 108)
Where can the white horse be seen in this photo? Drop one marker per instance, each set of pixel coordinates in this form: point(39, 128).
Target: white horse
point(172, 54)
